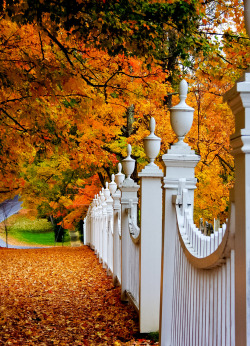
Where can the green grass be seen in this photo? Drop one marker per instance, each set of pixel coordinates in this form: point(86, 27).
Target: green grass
point(32, 231)
point(46, 238)
point(23, 224)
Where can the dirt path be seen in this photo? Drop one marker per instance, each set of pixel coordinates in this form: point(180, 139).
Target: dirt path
point(16, 244)
point(61, 296)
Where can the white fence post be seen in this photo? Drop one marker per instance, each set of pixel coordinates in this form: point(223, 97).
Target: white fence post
point(129, 197)
point(91, 224)
point(151, 237)
point(99, 228)
point(238, 99)
point(104, 232)
point(85, 230)
point(109, 229)
point(117, 238)
point(119, 178)
point(180, 162)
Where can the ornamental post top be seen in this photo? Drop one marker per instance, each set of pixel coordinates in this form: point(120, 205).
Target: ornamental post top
point(152, 130)
point(128, 163)
point(119, 177)
point(152, 145)
point(106, 192)
point(183, 91)
point(181, 115)
point(112, 185)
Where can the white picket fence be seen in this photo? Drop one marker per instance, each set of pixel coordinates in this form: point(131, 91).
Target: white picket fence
point(202, 302)
point(112, 231)
point(193, 288)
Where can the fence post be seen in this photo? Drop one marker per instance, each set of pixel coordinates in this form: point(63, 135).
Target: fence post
point(151, 236)
point(85, 229)
point(101, 224)
point(104, 231)
point(180, 162)
point(129, 196)
point(238, 99)
point(109, 229)
point(98, 228)
point(119, 177)
point(91, 225)
point(117, 236)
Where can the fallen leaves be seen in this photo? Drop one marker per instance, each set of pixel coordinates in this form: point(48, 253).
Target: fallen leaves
point(61, 296)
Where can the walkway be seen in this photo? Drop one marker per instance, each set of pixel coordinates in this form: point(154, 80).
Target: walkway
point(61, 296)
point(3, 244)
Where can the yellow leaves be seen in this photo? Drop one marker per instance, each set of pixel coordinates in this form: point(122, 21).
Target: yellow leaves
point(71, 116)
point(66, 202)
point(210, 137)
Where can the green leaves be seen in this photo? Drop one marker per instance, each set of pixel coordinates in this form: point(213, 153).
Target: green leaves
point(126, 26)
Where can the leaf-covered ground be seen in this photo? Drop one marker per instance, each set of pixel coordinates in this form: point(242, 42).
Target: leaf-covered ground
point(61, 296)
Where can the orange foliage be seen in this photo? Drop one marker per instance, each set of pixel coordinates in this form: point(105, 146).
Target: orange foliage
point(61, 296)
point(64, 111)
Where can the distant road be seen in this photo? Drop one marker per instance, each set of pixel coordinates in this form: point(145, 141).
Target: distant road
point(3, 244)
point(9, 207)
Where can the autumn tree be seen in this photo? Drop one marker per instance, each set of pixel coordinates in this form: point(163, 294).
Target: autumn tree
point(214, 74)
point(80, 70)
point(64, 129)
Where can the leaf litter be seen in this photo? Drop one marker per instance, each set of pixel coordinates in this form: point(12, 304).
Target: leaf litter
point(62, 296)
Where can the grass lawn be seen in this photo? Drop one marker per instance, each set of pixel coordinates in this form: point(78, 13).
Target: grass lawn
point(30, 230)
point(41, 238)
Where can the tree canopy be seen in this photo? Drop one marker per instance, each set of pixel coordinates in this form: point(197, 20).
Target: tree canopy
point(80, 79)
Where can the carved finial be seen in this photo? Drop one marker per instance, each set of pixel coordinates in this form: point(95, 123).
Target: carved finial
point(112, 185)
point(183, 90)
point(181, 115)
point(119, 177)
point(102, 194)
point(152, 125)
point(106, 191)
point(128, 163)
point(129, 149)
point(152, 143)
point(119, 167)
